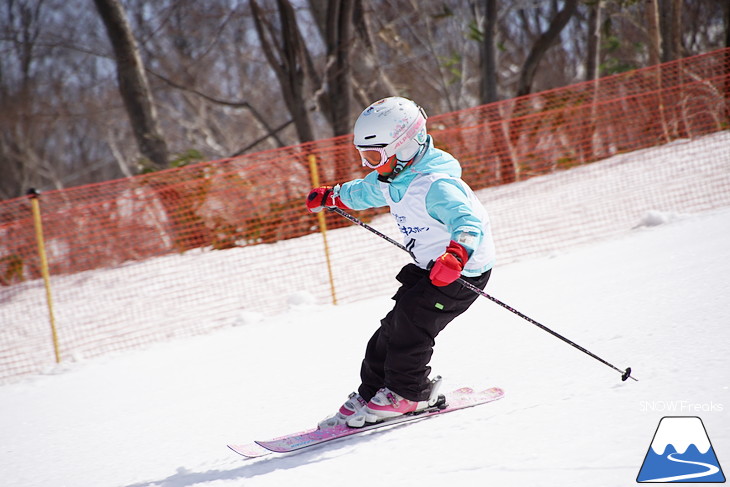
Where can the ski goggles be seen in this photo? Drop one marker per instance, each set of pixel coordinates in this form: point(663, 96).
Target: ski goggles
point(373, 157)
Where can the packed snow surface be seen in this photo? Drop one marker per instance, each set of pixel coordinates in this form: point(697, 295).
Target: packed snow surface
point(655, 299)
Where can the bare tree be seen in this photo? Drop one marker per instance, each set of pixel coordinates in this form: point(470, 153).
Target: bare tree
point(487, 20)
point(727, 25)
point(487, 52)
point(133, 85)
point(670, 20)
point(593, 49)
point(286, 52)
point(49, 123)
point(370, 78)
point(651, 11)
point(542, 44)
point(338, 70)
point(727, 56)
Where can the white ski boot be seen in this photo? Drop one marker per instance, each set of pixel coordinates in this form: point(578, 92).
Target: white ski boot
point(354, 404)
point(386, 405)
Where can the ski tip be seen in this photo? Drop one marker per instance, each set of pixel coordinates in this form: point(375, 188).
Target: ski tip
point(250, 450)
point(494, 391)
point(468, 391)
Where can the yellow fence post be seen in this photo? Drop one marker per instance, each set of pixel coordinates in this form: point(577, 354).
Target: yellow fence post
point(322, 225)
point(44, 266)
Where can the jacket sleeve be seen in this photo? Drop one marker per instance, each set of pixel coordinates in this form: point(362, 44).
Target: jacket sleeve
point(361, 194)
point(447, 202)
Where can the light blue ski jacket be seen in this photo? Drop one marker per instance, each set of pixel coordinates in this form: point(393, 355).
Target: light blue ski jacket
point(446, 201)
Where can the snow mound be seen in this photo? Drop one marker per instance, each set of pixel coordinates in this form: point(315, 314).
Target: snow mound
point(301, 299)
point(654, 218)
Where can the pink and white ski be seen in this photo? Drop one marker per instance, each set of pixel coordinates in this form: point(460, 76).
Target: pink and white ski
point(458, 399)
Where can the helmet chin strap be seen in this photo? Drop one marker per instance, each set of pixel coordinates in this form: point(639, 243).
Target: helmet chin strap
point(399, 167)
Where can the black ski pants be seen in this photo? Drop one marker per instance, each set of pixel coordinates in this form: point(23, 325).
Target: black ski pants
point(398, 354)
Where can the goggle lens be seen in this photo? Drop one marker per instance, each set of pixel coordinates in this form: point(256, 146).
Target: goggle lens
point(373, 157)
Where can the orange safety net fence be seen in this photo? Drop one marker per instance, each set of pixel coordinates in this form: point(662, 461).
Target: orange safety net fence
point(184, 251)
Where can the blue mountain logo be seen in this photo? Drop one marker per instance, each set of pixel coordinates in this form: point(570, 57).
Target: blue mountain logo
point(681, 452)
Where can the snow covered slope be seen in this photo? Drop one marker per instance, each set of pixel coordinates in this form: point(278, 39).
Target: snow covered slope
point(655, 299)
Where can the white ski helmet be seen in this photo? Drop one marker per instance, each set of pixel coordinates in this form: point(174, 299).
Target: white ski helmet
point(390, 127)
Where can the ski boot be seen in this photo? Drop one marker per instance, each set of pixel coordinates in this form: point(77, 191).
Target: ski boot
point(354, 404)
point(386, 405)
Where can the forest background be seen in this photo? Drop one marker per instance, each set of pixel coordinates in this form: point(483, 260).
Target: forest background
point(93, 90)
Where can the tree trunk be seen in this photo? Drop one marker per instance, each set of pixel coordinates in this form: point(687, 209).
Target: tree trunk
point(670, 21)
point(676, 28)
point(593, 62)
point(651, 11)
point(368, 78)
point(593, 58)
point(339, 72)
point(506, 169)
point(727, 25)
point(369, 61)
point(133, 85)
point(487, 52)
point(287, 56)
point(542, 44)
point(727, 59)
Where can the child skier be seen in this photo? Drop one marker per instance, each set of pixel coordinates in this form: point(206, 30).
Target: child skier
point(447, 232)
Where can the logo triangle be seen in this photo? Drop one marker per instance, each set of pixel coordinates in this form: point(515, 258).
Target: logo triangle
point(680, 451)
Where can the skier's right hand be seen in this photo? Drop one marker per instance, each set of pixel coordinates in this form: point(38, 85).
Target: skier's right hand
point(325, 196)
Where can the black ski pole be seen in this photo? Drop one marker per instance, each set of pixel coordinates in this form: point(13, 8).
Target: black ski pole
point(625, 374)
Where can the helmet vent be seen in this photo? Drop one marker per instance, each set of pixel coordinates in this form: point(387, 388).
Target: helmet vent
point(369, 137)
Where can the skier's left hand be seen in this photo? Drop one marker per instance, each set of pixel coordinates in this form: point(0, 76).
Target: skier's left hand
point(449, 265)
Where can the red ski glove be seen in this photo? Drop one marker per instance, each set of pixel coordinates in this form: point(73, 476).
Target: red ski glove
point(324, 196)
point(449, 265)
